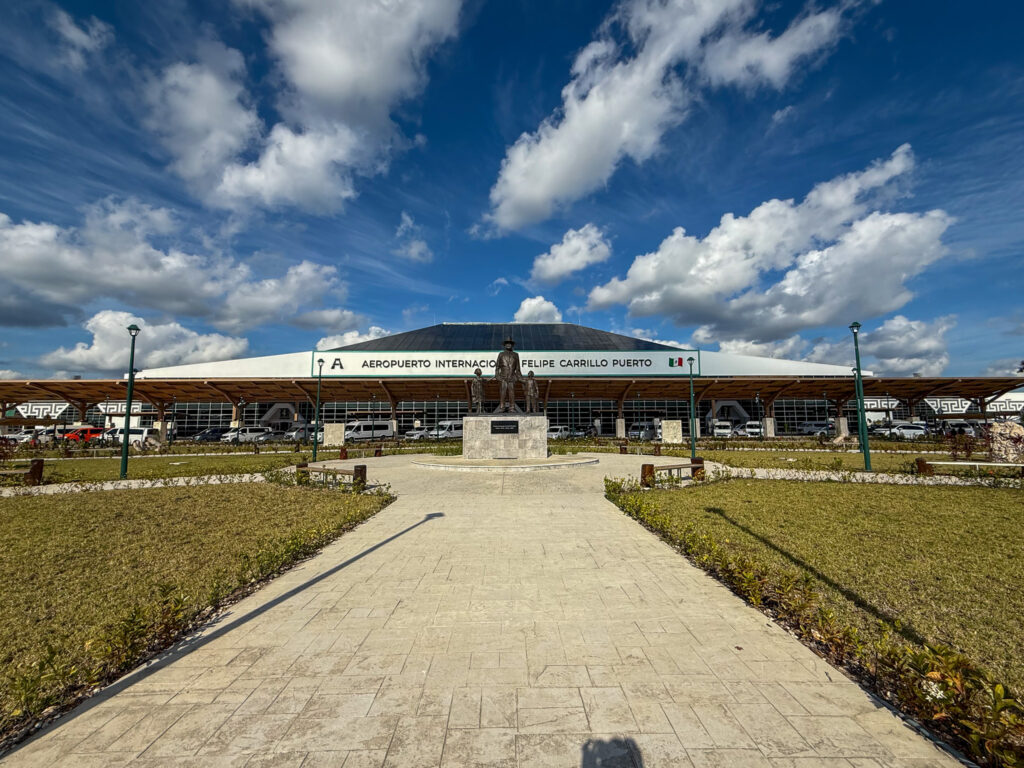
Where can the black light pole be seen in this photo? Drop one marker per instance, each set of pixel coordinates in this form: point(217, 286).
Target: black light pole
point(693, 422)
point(862, 427)
point(133, 330)
point(316, 414)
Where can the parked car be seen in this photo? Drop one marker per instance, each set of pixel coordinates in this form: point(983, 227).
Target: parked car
point(446, 430)
point(417, 433)
point(721, 428)
point(273, 436)
point(558, 432)
point(578, 433)
point(49, 434)
point(244, 434)
point(369, 430)
point(815, 428)
point(136, 435)
point(959, 428)
point(210, 435)
point(748, 429)
point(909, 431)
point(24, 436)
point(84, 434)
point(641, 430)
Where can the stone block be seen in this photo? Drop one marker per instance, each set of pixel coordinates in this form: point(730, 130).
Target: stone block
point(334, 434)
point(529, 442)
point(671, 431)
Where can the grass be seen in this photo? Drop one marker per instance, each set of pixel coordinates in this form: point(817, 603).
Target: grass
point(848, 462)
point(944, 563)
point(98, 470)
point(75, 569)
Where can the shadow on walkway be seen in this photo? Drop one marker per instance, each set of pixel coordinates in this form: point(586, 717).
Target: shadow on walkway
point(620, 752)
point(185, 647)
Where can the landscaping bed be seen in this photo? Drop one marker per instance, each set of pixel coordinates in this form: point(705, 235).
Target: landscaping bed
point(915, 589)
point(90, 585)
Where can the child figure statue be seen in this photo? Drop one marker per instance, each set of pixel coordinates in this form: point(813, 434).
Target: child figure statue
point(532, 394)
point(477, 391)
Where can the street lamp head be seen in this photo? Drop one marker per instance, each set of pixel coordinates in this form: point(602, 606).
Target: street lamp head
point(134, 330)
point(690, 360)
point(855, 326)
point(320, 362)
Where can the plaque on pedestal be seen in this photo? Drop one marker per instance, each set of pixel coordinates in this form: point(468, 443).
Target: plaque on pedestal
point(505, 436)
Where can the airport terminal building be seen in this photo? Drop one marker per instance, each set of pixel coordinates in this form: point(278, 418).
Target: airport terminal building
point(589, 379)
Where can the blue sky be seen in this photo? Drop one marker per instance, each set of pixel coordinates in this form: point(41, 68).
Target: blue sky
point(270, 175)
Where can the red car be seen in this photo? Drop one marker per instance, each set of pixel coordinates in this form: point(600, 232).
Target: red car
point(84, 434)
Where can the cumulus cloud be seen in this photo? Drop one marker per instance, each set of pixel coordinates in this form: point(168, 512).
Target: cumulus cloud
point(158, 345)
point(411, 244)
point(8, 374)
point(537, 310)
point(343, 68)
point(838, 255)
point(201, 113)
point(114, 255)
point(351, 337)
point(579, 249)
point(1007, 366)
point(78, 42)
point(633, 83)
point(786, 349)
point(898, 347)
point(495, 287)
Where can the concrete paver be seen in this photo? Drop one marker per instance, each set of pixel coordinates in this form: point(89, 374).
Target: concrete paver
point(488, 619)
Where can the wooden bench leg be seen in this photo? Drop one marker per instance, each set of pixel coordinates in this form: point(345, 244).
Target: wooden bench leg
point(697, 469)
point(647, 475)
point(924, 468)
point(359, 477)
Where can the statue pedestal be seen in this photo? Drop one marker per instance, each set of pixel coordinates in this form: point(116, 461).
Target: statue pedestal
point(505, 436)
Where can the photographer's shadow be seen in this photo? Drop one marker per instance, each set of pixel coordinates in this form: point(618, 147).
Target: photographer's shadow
point(611, 753)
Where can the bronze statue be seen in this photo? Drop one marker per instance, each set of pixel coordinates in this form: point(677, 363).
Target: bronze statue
point(532, 393)
point(477, 392)
point(507, 371)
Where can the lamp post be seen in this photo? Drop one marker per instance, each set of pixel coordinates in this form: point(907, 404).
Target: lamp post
point(862, 427)
point(757, 401)
point(133, 331)
point(693, 422)
point(316, 412)
point(824, 395)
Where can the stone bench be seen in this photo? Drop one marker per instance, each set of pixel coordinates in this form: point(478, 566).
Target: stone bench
point(694, 466)
point(357, 473)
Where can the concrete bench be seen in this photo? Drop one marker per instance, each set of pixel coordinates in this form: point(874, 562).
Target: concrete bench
point(357, 473)
point(694, 466)
point(33, 475)
point(927, 468)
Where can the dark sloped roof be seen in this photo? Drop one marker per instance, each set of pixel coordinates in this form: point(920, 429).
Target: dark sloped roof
point(455, 337)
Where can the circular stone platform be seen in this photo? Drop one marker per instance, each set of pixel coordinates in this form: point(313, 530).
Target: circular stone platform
point(460, 464)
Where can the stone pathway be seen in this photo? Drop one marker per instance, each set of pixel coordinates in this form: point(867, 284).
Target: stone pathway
point(511, 619)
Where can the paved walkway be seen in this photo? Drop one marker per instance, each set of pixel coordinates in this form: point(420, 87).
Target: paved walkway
point(514, 619)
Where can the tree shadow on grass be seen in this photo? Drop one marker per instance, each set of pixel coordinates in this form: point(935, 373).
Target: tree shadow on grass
point(187, 646)
point(618, 752)
point(865, 605)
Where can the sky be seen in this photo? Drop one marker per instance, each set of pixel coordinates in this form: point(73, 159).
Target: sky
point(267, 176)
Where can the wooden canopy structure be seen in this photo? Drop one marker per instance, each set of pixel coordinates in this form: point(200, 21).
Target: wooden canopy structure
point(162, 393)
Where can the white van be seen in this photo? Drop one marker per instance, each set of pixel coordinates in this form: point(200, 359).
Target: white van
point(641, 430)
point(136, 435)
point(721, 428)
point(558, 432)
point(446, 430)
point(368, 430)
point(244, 434)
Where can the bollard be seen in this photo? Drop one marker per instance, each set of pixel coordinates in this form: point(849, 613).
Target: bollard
point(378, 452)
point(657, 449)
point(924, 468)
point(343, 454)
point(34, 476)
point(359, 476)
point(647, 475)
point(697, 468)
point(623, 449)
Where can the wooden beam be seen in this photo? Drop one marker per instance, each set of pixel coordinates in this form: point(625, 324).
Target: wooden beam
point(302, 388)
point(622, 400)
point(391, 399)
point(228, 396)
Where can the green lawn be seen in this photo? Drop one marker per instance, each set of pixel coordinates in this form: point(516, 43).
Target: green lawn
point(880, 462)
point(72, 567)
point(945, 563)
point(97, 470)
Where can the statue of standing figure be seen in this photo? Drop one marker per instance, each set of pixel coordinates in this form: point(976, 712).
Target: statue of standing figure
point(507, 372)
point(477, 392)
point(532, 394)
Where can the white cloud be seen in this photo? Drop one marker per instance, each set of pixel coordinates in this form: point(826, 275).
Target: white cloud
point(334, 320)
point(898, 347)
point(351, 337)
point(537, 310)
point(78, 43)
point(626, 92)
point(838, 258)
point(158, 345)
point(7, 374)
point(1007, 366)
point(579, 249)
point(495, 287)
point(411, 246)
point(201, 113)
point(786, 349)
point(51, 272)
